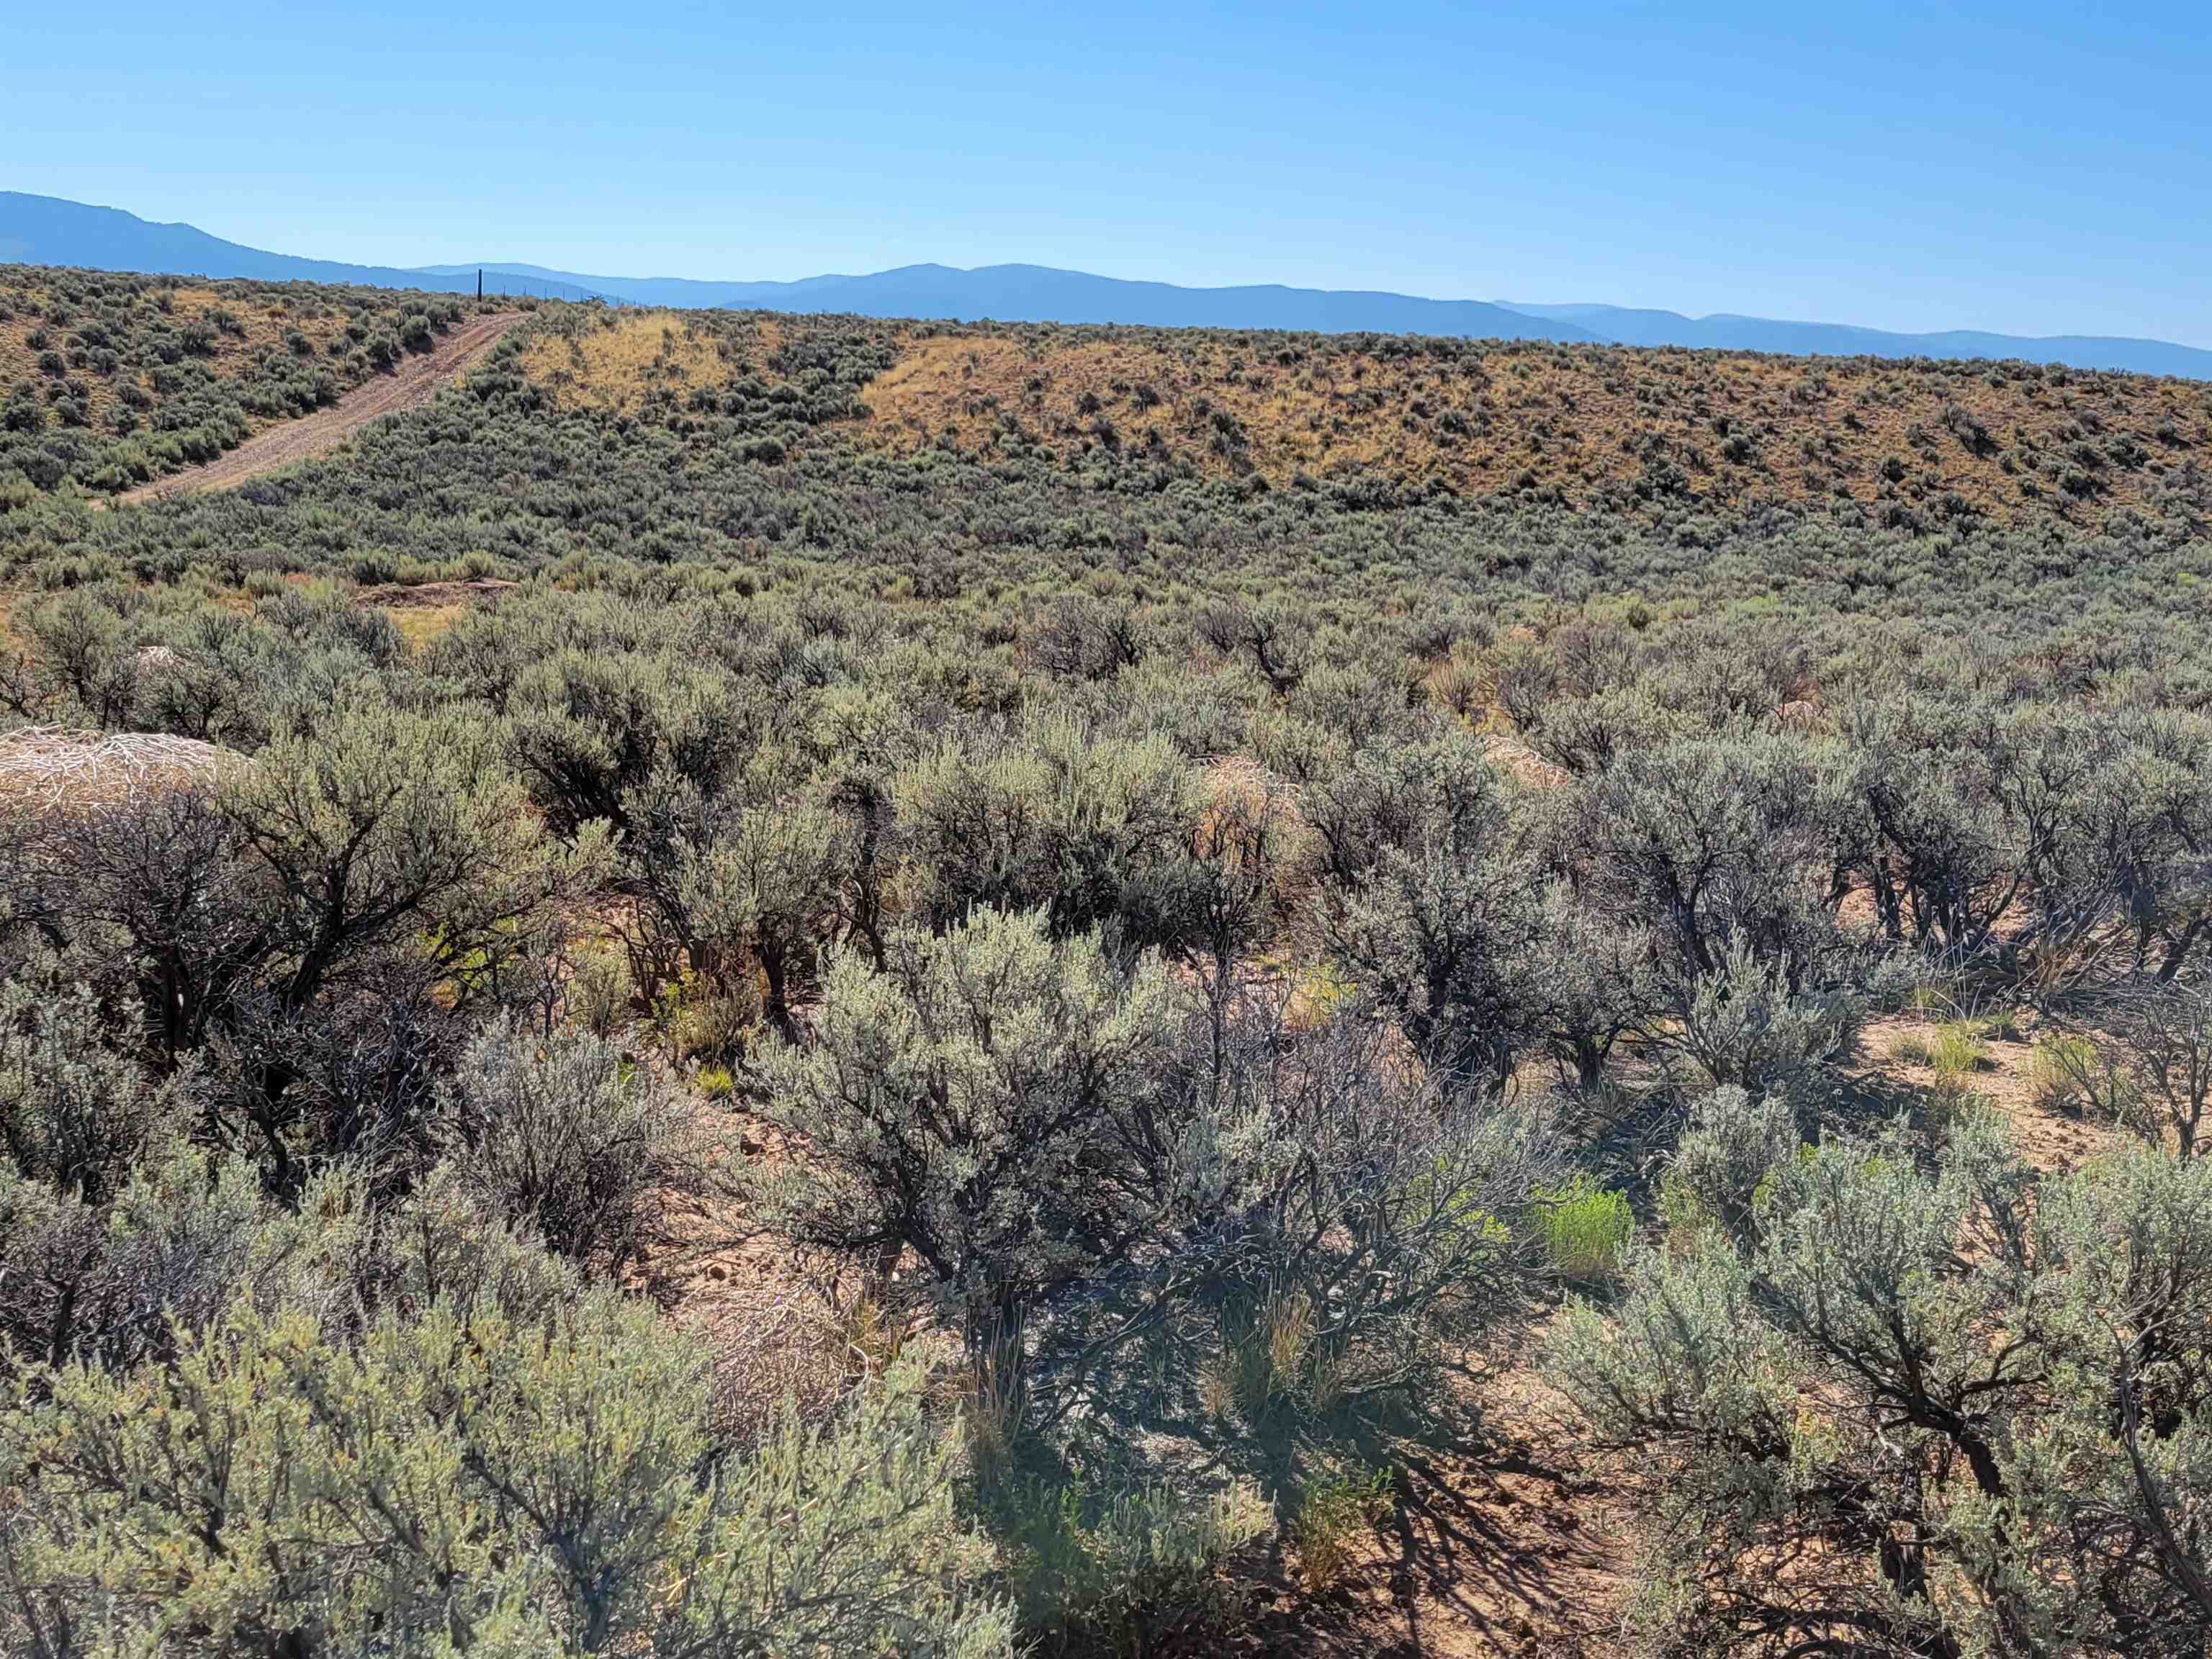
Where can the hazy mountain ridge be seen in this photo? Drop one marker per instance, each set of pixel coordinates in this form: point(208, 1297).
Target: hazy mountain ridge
point(1042, 294)
point(50, 230)
point(1726, 331)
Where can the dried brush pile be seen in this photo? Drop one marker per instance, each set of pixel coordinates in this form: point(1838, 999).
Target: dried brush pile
point(62, 769)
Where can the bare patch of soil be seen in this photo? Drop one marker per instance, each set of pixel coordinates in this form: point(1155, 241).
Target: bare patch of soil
point(2054, 1142)
point(1516, 1542)
point(403, 596)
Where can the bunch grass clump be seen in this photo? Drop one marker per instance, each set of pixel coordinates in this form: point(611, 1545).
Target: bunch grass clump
point(1957, 1051)
point(1585, 1227)
point(1333, 1511)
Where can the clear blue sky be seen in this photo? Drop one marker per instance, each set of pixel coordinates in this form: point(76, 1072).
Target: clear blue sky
point(2029, 167)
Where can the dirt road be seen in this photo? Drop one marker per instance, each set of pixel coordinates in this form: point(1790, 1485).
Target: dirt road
point(412, 383)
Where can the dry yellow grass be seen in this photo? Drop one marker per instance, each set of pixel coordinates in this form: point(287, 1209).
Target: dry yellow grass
point(1580, 422)
point(614, 361)
point(1915, 443)
point(421, 624)
point(424, 610)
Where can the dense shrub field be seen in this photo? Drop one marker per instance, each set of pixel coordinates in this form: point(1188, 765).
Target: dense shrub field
point(112, 381)
point(1189, 975)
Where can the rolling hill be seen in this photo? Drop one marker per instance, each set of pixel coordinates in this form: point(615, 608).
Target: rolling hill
point(1919, 446)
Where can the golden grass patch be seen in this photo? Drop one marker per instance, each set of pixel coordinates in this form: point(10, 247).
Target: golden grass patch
point(1577, 423)
point(614, 362)
point(420, 625)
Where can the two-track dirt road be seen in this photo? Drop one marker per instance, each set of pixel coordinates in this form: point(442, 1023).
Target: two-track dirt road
point(413, 383)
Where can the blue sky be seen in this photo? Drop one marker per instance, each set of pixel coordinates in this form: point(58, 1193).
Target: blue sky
point(2028, 167)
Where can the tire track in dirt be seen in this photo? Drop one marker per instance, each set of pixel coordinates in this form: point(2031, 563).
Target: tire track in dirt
point(414, 383)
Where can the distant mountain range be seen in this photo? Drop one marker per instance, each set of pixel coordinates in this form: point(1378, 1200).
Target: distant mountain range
point(1039, 293)
point(47, 230)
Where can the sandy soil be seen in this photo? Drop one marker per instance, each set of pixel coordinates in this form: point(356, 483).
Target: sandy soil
point(413, 383)
point(2052, 1142)
point(1507, 1541)
point(397, 596)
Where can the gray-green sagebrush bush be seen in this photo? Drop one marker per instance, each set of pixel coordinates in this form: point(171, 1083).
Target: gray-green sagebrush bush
point(587, 727)
point(177, 661)
point(1745, 1028)
point(1119, 1189)
point(1707, 843)
point(1731, 1141)
point(1426, 898)
point(1060, 818)
point(74, 1113)
point(1973, 1414)
point(385, 825)
point(756, 878)
point(1086, 1160)
point(494, 1482)
point(993, 1103)
point(236, 1424)
point(564, 1134)
point(315, 927)
point(112, 1283)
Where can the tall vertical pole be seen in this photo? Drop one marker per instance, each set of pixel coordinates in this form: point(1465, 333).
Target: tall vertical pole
point(479, 281)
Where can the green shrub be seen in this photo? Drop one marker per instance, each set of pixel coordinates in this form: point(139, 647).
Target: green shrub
point(600, 989)
point(375, 567)
point(73, 1111)
point(1746, 1026)
point(567, 1134)
point(1584, 1228)
point(2002, 1026)
point(531, 1483)
point(702, 1021)
point(1731, 1140)
point(2072, 1073)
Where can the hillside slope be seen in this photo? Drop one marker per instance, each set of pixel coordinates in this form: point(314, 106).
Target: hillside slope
point(114, 380)
point(1920, 446)
point(413, 383)
point(117, 381)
